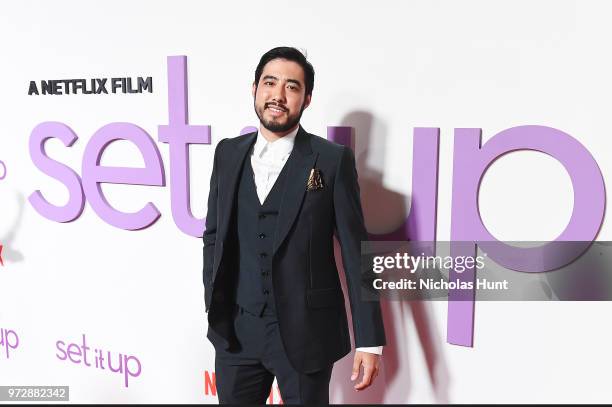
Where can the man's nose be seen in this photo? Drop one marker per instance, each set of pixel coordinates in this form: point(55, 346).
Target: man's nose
point(279, 94)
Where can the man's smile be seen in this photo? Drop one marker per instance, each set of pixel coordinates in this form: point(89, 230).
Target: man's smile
point(275, 110)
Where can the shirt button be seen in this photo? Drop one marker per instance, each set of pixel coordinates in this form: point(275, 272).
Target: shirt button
point(262, 235)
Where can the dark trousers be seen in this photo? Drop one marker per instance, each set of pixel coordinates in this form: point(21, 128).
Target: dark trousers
point(245, 375)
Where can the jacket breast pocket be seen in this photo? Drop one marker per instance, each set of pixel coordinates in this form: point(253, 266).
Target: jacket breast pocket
point(314, 199)
point(325, 297)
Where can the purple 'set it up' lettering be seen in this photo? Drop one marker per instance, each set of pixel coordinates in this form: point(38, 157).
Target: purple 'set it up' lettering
point(471, 161)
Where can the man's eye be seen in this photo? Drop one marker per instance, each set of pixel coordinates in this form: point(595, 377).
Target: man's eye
point(292, 87)
point(267, 83)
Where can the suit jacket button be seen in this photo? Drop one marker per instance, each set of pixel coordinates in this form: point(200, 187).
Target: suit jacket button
point(262, 255)
point(266, 292)
point(262, 235)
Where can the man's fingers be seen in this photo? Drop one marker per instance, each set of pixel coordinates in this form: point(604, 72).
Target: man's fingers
point(366, 380)
point(370, 363)
point(356, 364)
point(376, 372)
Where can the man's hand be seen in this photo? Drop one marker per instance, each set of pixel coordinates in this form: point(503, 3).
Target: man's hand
point(370, 362)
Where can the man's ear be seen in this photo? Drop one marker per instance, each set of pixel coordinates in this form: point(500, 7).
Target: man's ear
point(307, 101)
point(254, 89)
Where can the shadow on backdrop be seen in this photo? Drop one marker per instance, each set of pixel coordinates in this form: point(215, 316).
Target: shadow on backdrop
point(385, 210)
point(9, 253)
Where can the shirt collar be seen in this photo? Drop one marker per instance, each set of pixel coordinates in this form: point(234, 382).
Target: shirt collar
point(278, 148)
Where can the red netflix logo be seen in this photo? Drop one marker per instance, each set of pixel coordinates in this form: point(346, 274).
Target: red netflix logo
point(210, 389)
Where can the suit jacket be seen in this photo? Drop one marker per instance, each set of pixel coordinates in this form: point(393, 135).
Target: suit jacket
point(306, 286)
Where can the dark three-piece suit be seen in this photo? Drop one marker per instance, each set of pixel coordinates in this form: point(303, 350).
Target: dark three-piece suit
point(272, 289)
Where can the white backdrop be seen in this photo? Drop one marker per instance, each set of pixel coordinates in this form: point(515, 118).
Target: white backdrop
point(381, 67)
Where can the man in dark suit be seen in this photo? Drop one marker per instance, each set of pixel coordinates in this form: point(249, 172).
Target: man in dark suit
point(272, 291)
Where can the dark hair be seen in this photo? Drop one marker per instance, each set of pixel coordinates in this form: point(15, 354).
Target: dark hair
point(290, 54)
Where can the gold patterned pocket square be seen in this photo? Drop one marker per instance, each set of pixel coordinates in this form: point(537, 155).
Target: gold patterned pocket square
point(315, 181)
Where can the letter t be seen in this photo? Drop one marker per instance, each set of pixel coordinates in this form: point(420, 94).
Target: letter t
point(179, 134)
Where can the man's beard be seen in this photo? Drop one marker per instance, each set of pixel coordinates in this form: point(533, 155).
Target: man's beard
point(279, 127)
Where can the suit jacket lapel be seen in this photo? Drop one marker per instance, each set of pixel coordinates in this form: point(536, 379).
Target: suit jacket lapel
point(230, 183)
point(299, 165)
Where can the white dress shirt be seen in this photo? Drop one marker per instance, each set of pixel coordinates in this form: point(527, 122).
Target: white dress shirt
point(268, 159)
